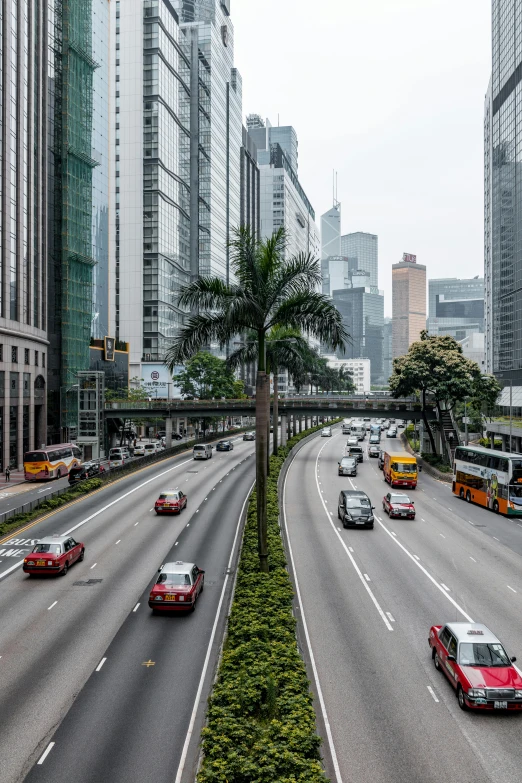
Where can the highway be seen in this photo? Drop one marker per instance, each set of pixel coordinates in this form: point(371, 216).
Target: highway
point(366, 601)
point(93, 686)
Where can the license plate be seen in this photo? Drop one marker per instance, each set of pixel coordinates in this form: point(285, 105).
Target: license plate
point(170, 598)
point(500, 705)
point(40, 562)
point(403, 513)
point(360, 522)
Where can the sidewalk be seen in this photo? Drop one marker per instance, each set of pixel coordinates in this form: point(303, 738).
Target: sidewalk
point(17, 477)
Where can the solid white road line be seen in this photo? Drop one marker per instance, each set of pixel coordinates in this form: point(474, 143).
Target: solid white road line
point(53, 604)
point(432, 693)
point(46, 753)
point(309, 644)
point(100, 664)
point(190, 730)
point(510, 588)
point(136, 607)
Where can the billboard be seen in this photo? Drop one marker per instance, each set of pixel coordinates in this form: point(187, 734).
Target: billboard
point(108, 343)
point(158, 382)
point(409, 257)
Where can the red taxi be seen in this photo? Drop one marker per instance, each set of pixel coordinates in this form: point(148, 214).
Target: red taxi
point(172, 501)
point(53, 555)
point(177, 588)
point(478, 667)
point(398, 505)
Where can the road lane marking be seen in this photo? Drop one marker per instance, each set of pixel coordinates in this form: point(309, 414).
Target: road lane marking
point(440, 534)
point(151, 509)
point(432, 693)
point(496, 539)
point(350, 547)
point(426, 572)
point(118, 541)
point(444, 586)
point(53, 604)
point(136, 524)
point(472, 558)
point(367, 578)
point(190, 729)
point(100, 664)
point(93, 566)
point(510, 588)
point(46, 752)
point(390, 617)
point(416, 557)
point(136, 607)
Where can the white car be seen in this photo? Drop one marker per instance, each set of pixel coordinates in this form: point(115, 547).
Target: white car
point(139, 450)
point(326, 432)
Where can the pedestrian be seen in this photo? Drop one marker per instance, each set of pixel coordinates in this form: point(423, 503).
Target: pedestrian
point(8, 473)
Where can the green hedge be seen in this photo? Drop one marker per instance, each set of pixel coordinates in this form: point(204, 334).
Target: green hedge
point(261, 720)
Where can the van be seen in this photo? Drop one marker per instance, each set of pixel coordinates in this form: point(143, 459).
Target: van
point(118, 456)
point(202, 451)
point(150, 448)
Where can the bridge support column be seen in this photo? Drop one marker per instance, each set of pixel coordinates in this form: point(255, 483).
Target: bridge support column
point(284, 429)
point(168, 432)
point(294, 424)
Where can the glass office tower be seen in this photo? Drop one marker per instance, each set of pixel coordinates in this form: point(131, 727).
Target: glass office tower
point(503, 195)
point(456, 307)
point(362, 311)
point(364, 248)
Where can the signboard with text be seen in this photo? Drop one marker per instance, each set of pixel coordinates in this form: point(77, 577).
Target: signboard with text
point(108, 343)
point(158, 382)
point(409, 257)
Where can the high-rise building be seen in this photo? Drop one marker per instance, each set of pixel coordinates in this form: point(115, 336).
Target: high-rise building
point(503, 196)
point(331, 232)
point(24, 227)
point(250, 185)
point(363, 249)
point(285, 204)
point(362, 311)
point(408, 303)
point(265, 134)
point(456, 307)
point(387, 350)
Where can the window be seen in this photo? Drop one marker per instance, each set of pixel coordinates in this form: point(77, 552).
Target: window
point(452, 646)
point(43, 359)
point(36, 358)
point(1, 352)
point(444, 637)
point(26, 355)
point(14, 354)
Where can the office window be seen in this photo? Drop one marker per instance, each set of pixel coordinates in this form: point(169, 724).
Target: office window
point(26, 355)
point(14, 354)
point(36, 358)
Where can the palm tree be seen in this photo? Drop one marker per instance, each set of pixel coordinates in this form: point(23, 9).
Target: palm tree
point(286, 349)
point(270, 291)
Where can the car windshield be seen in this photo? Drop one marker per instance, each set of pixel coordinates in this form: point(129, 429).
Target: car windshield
point(399, 499)
point(483, 655)
point(174, 579)
point(53, 549)
point(356, 502)
point(347, 462)
point(404, 467)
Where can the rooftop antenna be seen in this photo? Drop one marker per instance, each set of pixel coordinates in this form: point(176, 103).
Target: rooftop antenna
point(334, 189)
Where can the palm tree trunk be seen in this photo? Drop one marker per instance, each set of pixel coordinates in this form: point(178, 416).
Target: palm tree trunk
point(262, 425)
point(275, 413)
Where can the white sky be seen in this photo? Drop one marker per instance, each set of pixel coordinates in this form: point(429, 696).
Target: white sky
point(390, 93)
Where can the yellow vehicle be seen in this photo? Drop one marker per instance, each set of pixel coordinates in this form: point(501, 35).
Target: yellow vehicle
point(400, 470)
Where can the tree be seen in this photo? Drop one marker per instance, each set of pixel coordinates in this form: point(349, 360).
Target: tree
point(435, 366)
point(206, 376)
point(270, 291)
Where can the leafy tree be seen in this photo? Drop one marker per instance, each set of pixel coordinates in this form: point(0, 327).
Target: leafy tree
point(270, 291)
point(436, 368)
point(206, 376)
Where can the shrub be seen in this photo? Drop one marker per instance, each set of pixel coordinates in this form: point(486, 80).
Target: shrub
point(437, 462)
point(261, 720)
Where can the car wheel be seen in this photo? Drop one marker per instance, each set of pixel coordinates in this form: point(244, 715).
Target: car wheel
point(436, 660)
point(65, 569)
point(468, 496)
point(155, 612)
point(461, 493)
point(462, 701)
point(82, 555)
point(345, 525)
point(338, 514)
point(495, 506)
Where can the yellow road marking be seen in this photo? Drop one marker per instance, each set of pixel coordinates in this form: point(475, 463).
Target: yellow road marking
point(148, 663)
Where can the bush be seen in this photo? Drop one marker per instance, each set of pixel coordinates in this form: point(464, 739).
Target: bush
point(261, 721)
point(487, 443)
point(437, 462)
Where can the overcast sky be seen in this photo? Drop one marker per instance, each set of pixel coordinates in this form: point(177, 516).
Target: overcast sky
point(390, 93)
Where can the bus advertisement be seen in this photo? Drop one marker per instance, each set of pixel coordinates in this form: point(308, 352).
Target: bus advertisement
point(51, 462)
point(489, 478)
point(400, 470)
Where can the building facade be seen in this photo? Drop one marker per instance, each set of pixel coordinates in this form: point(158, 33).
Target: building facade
point(331, 232)
point(358, 368)
point(387, 350)
point(23, 230)
point(250, 185)
point(456, 307)
point(362, 311)
point(408, 304)
point(362, 250)
point(264, 134)
point(503, 195)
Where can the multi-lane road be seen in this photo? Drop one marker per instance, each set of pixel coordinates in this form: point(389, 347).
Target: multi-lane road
point(93, 688)
point(366, 601)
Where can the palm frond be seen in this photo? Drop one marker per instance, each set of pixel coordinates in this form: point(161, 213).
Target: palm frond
point(209, 293)
point(314, 314)
point(247, 353)
point(199, 331)
point(300, 274)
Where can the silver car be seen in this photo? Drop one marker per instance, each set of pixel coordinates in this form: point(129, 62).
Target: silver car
point(326, 432)
point(348, 466)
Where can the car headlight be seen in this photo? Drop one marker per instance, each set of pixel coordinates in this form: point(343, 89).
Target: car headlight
point(518, 694)
point(477, 693)
point(348, 516)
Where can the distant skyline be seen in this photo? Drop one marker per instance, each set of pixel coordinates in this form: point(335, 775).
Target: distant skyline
point(391, 95)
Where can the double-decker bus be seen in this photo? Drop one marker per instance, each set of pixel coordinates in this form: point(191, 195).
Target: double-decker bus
point(489, 478)
point(51, 462)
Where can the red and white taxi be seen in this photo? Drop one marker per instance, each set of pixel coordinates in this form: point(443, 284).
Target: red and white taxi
point(172, 501)
point(398, 505)
point(53, 555)
point(178, 587)
point(478, 667)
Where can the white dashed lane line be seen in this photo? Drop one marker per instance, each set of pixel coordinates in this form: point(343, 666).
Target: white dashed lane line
point(100, 664)
point(136, 607)
point(93, 566)
point(46, 753)
point(510, 588)
point(53, 604)
point(432, 693)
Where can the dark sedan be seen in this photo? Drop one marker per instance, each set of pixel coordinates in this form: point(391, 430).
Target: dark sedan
point(374, 451)
point(224, 445)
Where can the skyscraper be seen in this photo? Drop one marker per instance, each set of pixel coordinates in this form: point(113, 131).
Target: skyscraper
point(264, 134)
point(503, 196)
point(331, 232)
point(408, 303)
point(362, 311)
point(387, 350)
point(24, 227)
point(456, 307)
point(364, 249)
point(250, 184)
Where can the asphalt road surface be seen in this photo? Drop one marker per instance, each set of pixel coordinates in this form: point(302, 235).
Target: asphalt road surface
point(368, 599)
point(93, 687)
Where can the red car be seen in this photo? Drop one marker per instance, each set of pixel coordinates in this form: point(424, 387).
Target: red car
point(172, 501)
point(478, 667)
point(398, 505)
point(53, 555)
point(178, 587)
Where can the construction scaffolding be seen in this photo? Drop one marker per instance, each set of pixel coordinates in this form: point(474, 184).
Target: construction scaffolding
point(77, 165)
